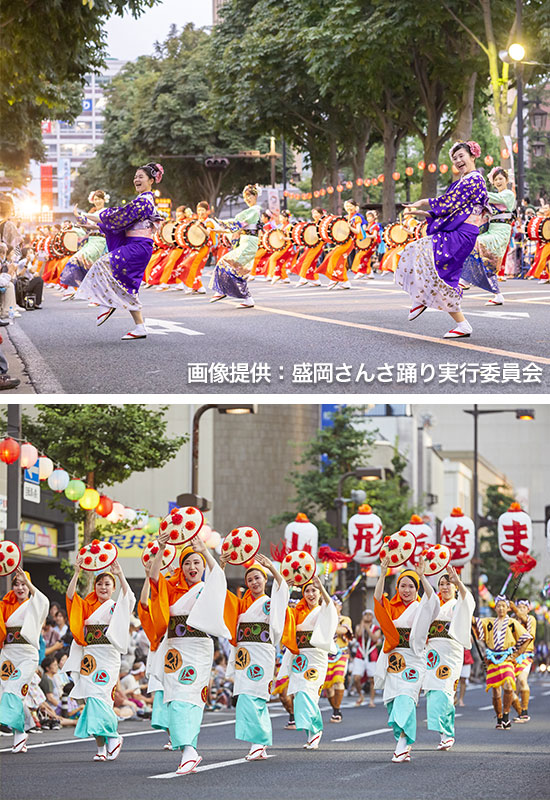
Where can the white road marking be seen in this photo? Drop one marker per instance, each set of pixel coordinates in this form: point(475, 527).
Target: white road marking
point(161, 327)
point(499, 314)
point(363, 735)
point(206, 767)
point(485, 708)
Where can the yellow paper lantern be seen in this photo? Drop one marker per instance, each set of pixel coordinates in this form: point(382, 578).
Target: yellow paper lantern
point(89, 500)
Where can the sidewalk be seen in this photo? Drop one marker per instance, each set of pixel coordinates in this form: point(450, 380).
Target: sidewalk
point(16, 367)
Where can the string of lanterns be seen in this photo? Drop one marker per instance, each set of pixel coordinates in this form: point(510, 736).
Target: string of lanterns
point(379, 179)
point(74, 489)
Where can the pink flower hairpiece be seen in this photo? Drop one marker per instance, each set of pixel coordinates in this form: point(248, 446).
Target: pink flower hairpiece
point(159, 173)
point(475, 149)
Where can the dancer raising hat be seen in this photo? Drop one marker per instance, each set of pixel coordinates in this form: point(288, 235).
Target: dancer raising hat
point(505, 639)
point(256, 623)
point(101, 630)
point(22, 614)
point(186, 611)
point(430, 268)
point(114, 280)
point(448, 636)
point(404, 621)
point(309, 637)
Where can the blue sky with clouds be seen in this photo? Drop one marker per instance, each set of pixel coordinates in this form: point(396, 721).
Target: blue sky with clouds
point(129, 38)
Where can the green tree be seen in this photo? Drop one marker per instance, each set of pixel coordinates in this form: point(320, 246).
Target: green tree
point(102, 444)
point(391, 498)
point(492, 563)
point(47, 49)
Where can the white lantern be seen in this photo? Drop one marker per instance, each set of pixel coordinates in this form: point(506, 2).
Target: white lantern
point(365, 534)
point(130, 515)
point(458, 534)
point(117, 513)
point(142, 518)
point(515, 533)
point(59, 480)
point(424, 534)
point(301, 534)
point(205, 533)
point(28, 456)
point(214, 540)
point(45, 467)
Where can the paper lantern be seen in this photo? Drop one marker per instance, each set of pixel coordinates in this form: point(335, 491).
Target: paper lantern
point(375, 182)
point(316, 193)
point(381, 178)
point(423, 533)
point(368, 182)
point(130, 515)
point(339, 188)
point(443, 169)
point(152, 526)
point(58, 480)
point(105, 506)
point(205, 533)
point(330, 190)
point(432, 167)
point(75, 490)
point(301, 534)
point(515, 147)
point(286, 193)
point(28, 455)
point(505, 153)
point(117, 513)
point(421, 165)
point(45, 468)
point(322, 192)
point(9, 450)
point(515, 533)
point(214, 540)
point(349, 184)
point(489, 160)
point(359, 181)
point(365, 534)
point(409, 171)
point(458, 534)
point(396, 175)
point(89, 499)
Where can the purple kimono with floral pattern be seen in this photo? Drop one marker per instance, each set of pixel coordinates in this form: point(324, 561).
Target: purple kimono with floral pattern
point(454, 237)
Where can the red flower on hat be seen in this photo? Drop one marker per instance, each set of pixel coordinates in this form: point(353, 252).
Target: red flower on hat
point(190, 526)
point(393, 545)
point(177, 519)
point(236, 542)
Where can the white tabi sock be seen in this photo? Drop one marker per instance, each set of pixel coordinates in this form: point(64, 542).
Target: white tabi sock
point(401, 745)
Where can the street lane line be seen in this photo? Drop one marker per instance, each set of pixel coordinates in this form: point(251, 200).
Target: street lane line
point(162, 327)
point(363, 735)
point(485, 708)
point(406, 334)
point(206, 767)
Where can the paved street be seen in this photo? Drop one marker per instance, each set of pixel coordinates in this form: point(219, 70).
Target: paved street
point(296, 340)
point(353, 761)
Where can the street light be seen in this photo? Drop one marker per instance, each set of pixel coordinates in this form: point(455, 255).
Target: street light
point(366, 474)
point(193, 498)
point(524, 414)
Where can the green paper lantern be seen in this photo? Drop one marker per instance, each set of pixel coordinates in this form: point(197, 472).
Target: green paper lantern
point(75, 490)
point(152, 526)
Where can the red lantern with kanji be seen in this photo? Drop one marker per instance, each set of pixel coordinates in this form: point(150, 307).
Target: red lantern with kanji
point(422, 532)
point(104, 507)
point(365, 534)
point(432, 167)
point(489, 160)
point(515, 533)
point(9, 450)
point(301, 534)
point(458, 534)
point(396, 175)
point(409, 171)
point(443, 169)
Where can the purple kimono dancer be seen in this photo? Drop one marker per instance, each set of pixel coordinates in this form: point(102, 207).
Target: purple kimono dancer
point(429, 269)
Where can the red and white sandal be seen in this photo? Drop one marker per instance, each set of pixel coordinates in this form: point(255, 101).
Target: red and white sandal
point(21, 746)
point(130, 335)
point(416, 311)
point(256, 754)
point(400, 758)
point(113, 754)
point(189, 766)
point(104, 316)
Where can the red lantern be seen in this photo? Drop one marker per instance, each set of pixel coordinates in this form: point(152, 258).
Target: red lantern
point(339, 188)
point(374, 182)
point(505, 153)
point(489, 160)
point(359, 181)
point(322, 192)
point(304, 196)
point(9, 450)
point(409, 171)
point(104, 507)
point(381, 178)
point(432, 167)
point(309, 196)
point(396, 175)
point(368, 182)
point(349, 185)
point(443, 169)
point(330, 189)
point(421, 165)
point(515, 147)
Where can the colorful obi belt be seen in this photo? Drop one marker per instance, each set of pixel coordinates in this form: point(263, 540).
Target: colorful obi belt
point(96, 634)
point(253, 632)
point(498, 656)
point(303, 639)
point(178, 628)
point(439, 629)
point(404, 636)
point(13, 636)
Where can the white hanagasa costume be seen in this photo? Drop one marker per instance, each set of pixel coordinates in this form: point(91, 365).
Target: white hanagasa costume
point(184, 661)
point(257, 634)
point(20, 627)
point(307, 660)
point(448, 635)
point(101, 637)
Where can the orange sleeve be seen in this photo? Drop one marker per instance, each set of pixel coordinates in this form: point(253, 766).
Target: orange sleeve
point(289, 632)
point(77, 613)
point(231, 612)
point(2, 623)
point(159, 606)
point(383, 615)
point(144, 614)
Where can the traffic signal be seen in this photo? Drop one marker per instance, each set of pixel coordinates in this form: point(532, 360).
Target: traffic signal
point(216, 162)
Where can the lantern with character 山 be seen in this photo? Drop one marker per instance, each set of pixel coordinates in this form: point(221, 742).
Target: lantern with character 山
point(515, 533)
point(422, 532)
point(365, 533)
point(301, 534)
point(458, 534)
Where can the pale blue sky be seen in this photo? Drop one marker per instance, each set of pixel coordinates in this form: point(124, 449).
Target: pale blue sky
point(129, 38)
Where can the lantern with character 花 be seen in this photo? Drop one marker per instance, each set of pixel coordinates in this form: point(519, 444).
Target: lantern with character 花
point(365, 533)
